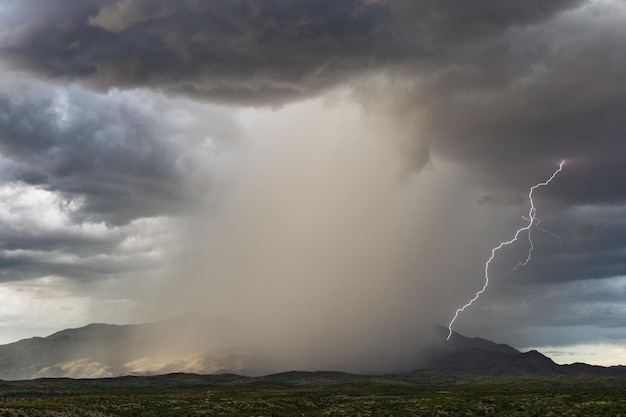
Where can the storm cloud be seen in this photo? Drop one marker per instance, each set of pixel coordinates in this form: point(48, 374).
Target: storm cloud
point(241, 51)
point(350, 162)
point(113, 154)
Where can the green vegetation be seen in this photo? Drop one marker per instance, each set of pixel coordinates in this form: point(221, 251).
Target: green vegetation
point(316, 394)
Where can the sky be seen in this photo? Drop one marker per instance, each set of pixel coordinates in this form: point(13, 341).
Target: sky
point(321, 170)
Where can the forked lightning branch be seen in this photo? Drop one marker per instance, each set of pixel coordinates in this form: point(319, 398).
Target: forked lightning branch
point(532, 220)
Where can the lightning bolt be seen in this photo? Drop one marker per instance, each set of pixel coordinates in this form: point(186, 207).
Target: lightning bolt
point(531, 219)
point(549, 233)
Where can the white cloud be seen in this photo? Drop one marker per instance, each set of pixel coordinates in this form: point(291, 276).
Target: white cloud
point(39, 307)
point(26, 207)
point(51, 284)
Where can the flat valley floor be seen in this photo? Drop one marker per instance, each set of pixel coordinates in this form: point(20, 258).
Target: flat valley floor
point(305, 394)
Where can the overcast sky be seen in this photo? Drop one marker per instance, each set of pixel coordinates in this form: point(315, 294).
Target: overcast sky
point(316, 168)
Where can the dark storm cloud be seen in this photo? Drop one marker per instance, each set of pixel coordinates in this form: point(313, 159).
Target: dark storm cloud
point(26, 266)
point(584, 251)
point(499, 85)
point(551, 313)
point(90, 180)
point(580, 284)
point(112, 153)
point(517, 105)
point(502, 89)
point(534, 96)
point(250, 51)
point(56, 241)
point(231, 50)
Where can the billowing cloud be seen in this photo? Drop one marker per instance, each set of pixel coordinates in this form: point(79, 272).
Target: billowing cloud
point(122, 155)
point(93, 185)
point(383, 148)
point(537, 94)
point(246, 51)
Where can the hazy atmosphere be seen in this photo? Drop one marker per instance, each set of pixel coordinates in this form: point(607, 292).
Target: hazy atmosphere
point(330, 175)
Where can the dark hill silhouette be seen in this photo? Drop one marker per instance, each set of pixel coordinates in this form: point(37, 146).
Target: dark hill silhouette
point(200, 344)
point(476, 356)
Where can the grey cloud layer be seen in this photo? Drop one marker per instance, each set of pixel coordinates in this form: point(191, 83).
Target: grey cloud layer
point(539, 94)
point(505, 89)
point(501, 85)
point(122, 155)
point(83, 174)
point(247, 51)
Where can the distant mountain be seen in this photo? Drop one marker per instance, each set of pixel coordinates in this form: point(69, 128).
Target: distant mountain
point(187, 343)
point(195, 343)
point(476, 356)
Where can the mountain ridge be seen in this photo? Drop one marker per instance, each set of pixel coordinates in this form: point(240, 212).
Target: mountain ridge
point(477, 356)
point(195, 343)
